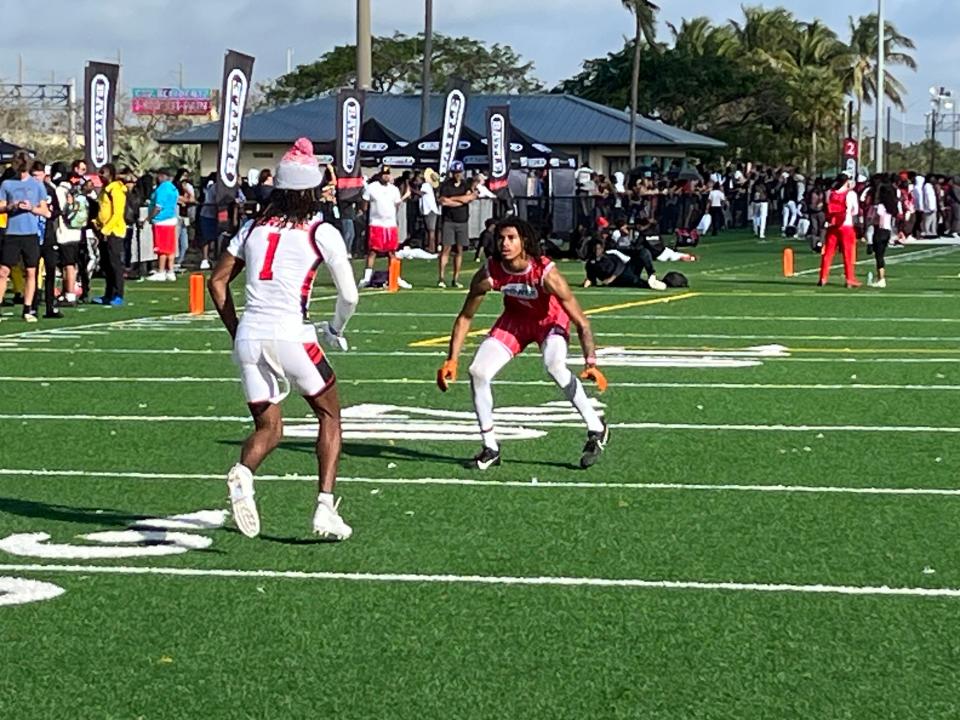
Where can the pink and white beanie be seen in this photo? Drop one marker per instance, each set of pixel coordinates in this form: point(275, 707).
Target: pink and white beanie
point(298, 169)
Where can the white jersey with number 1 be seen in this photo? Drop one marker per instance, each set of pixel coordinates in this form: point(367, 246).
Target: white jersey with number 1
point(281, 264)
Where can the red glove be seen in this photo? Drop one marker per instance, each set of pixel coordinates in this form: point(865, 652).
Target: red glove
point(447, 374)
point(593, 373)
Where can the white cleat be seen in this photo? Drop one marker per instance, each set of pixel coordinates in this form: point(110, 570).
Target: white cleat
point(656, 284)
point(403, 284)
point(328, 524)
point(171, 276)
point(240, 486)
point(157, 276)
point(204, 264)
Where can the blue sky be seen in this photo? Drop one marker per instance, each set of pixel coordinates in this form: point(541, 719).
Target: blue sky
point(556, 34)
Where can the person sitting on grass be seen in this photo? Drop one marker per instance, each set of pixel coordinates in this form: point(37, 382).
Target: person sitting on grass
point(617, 269)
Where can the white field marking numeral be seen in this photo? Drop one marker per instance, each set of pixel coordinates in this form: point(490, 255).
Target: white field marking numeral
point(20, 591)
point(153, 537)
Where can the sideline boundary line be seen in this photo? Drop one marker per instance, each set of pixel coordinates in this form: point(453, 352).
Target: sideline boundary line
point(468, 482)
point(548, 581)
point(732, 427)
point(49, 380)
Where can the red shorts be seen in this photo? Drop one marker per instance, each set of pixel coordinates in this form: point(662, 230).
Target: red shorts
point(165, 239)
point(515, 334)
point(383, 239)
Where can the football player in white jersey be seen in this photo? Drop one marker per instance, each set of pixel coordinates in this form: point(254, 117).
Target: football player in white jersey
point(273, 343)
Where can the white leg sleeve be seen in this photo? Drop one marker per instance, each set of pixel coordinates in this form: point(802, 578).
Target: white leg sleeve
point(490, 359)
point(555, 361)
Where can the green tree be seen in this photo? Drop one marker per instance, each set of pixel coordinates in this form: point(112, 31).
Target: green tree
point(397, 64)
point(815, 61)
point(645, 28)
point(859, 77)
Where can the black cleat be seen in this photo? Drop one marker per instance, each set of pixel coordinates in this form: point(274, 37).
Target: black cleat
point(486, 458)
point(596, 442)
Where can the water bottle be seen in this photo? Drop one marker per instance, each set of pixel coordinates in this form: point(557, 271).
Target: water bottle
point(869, 279)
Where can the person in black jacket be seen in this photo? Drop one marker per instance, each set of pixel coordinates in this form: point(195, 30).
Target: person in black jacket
point(50, 248)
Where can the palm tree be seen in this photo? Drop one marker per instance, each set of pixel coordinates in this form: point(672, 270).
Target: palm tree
point(813, 72)
point(764, 36)
point(645, 15)
point(860, 75)
point(699, 37)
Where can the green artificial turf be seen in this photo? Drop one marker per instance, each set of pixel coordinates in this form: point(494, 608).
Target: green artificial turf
point(733, 476)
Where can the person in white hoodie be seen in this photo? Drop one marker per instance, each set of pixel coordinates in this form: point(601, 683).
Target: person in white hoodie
point(429, 208)
point(930, 211)
point(925, 199)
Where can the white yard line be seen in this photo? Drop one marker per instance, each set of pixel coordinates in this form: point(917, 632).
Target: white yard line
point(895, 260)
point(530, 485)
point(442, 353)
point(620, 426)
point(50, 380)
point(452, 579)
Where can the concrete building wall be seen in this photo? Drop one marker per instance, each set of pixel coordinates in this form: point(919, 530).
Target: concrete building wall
point(252, 157)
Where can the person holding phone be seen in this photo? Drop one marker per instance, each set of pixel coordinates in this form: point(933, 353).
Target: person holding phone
point(24, 200)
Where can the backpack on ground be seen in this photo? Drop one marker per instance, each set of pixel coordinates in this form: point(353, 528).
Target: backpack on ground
point(687, 238)
point(673, 279)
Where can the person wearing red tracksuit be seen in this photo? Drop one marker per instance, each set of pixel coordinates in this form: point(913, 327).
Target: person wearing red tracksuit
point(842, 208)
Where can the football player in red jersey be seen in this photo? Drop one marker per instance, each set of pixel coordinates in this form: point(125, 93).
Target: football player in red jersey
point(538, 306)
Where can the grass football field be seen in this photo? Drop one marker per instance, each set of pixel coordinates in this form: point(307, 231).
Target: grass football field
point(771, 532)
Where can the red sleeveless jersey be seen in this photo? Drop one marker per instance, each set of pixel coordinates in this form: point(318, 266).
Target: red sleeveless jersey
point(524, 296)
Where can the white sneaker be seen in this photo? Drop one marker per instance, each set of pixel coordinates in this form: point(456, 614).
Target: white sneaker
point(245, 515)
point(328, 524)
point(157, 276)
point(656, 284)
point(171, 276)
point(441, 284)
point(204, 264)
point(403, 284)
point(365, 282)
point(881, 283)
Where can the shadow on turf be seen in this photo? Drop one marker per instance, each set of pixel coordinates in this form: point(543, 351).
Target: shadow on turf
point(65, 513)
point(286, 540)
point(393, 452)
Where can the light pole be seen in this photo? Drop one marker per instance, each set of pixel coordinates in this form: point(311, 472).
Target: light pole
point(364, 50)
point(881, 82)
point(940, 99)
point(427, 58)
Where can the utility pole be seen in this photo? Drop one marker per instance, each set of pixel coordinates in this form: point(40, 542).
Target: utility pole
point(180, 75)
point(427, 59)
point(933, 140)
point(364, 50)
point(289, 60)
point(881, 82)
point(72, 114)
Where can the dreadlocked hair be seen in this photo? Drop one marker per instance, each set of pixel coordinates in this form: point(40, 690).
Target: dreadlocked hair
point(531, 243)
point(290, 207)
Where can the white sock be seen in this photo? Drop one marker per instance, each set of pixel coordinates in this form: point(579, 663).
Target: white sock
point(327, 499)
point(367, 274)
point(490, 358)
point(555, 360)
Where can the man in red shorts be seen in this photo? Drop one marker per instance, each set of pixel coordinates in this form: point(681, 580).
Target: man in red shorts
point(383, 237)
point(538, 306)
point(164, 215)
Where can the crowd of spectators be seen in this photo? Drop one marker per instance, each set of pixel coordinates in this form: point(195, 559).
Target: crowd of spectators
point(72, 223)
